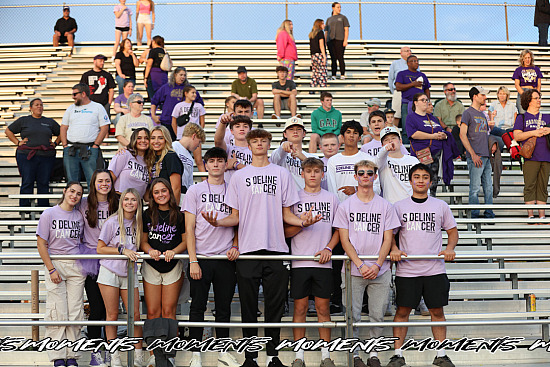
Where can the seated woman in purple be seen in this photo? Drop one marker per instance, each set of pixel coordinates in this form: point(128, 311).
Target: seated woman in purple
point(101, 202)
point(424, 131)
point(526, 76)
point(59, 232)
point(121, 234)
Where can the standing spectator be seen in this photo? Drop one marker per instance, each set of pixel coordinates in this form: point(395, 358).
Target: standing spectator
point(542, 20)
point(325, 119)
point(188, 146)
point(238, 149)
point(123, 24)
point(245, 87)
point(64, 29)
point(526, 76)
point(100, 83)
point(284, 94)
point(229, 105)
point(85, 124)
point(395, 67)
point(409, 82)
point(377, 122)
point(154, 77)
point(145, 17)
point(168, 96)
point(187, 111)
point(337, 33)
point(317, 49)
point(59, 232)
point(373, 104)
point(125, 64)
point(474, 135)
point(446, 109)
point(132, 121)
point(121, 101)
point(287, 54)
point(35, 154)
point(537, 168)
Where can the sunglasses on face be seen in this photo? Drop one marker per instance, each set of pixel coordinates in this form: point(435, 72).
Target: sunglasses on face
point(138, 102)
point(451, 89)
point(76, 94)
point(369, 173)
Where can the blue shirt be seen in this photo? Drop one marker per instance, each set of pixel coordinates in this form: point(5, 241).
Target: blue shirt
point(396, 67)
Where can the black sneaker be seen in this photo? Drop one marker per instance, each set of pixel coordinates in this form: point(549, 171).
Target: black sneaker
point(444, 361)
point(396, 361)
point(249, 362)
point(373, 362)
point(276, 362)
point(335, 309)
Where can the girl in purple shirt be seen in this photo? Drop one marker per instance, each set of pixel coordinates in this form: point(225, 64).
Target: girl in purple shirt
point(59, 232)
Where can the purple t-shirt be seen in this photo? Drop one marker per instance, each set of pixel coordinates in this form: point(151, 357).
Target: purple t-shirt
point(528, 76)
point(366, 223)
point(259, 194)
point(124, 19)
point(110, 234)
point(541, 152)
point(62, 230)
point(91, 235)
point(313, 239)
point(243, 156)
point(373, 147)
point(407, 77)
point(204, 197)
point(130, 172)
point(122, 101)
point(420, 234)
point(428, 124)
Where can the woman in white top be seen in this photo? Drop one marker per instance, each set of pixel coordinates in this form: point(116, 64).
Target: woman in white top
point(504, 112)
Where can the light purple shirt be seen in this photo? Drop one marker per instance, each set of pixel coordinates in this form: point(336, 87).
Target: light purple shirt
point(259, 194)
point(110, 234)
point(62, 230)
point(91, 235)
point(366, 223)
point(313, 239)
point(204, 197)
point(182, 108)
point(243, 156)
point(124, 20)
point(420, 234)
point(130, 172)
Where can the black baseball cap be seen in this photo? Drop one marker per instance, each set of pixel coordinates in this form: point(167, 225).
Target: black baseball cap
point(100, 56)
point(241, 69)
point(66, 8)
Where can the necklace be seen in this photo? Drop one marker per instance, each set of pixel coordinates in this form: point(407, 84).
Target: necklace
point(224, 187)
point(162, 217)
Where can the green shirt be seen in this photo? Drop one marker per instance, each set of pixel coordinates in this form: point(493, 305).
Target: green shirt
point(323, 122)
point(244, 90)
point(447, 113)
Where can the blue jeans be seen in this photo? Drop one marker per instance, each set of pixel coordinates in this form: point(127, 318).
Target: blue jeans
point(120, 82)
point(72, 165)
point(404, 113)
point(481, 176)
point(543, 34)
point(498, 132)
point(39, 169)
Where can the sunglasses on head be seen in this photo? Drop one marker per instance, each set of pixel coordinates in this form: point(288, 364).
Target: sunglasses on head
point(369, 173)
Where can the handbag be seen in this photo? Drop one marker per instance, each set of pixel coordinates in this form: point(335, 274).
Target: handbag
point(424, 155)
point(528, 147)
point(184, 119)
point(166, 64)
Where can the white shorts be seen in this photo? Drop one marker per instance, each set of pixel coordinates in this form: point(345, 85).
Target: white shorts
point(144, 19)
point(154, 277)
point(107, 277)
point(396, 103)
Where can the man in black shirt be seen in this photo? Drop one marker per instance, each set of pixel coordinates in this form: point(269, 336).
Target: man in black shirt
point(64, 29)
point(101, 83)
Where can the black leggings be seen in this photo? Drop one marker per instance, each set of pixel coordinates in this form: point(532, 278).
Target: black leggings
point(337, 49)
point(97, 307)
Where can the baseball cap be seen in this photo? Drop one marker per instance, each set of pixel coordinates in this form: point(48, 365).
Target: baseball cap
point(66, 8)
point(389, 110)
point(389, 130)
point(99, 57)
point(241, 69)
point(478, 89)
point(373, 101)
point(294, 121)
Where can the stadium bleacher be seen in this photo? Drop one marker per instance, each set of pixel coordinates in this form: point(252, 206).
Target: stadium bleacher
point(485, 290)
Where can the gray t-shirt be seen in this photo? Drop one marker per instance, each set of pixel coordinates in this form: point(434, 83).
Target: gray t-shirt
point(478, 131)
point(39, 131)
point(289, 84)
point(335, 27)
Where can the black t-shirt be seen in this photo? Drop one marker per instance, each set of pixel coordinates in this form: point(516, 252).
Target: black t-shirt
point(314, 43)
point(99, 82)
point(163, 237)
point(126, 65)
point(157, 54)
point(38, 131)
point(289, 84)
point(65, 25)
point(170, 164)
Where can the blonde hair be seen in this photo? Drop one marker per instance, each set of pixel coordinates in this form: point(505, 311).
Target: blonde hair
point(285, 26)
point(505, 90)
point(137, 224)
point(316, 28)
point(365, 163)
point(193, 129)
point(167, 148)
point(522, 56)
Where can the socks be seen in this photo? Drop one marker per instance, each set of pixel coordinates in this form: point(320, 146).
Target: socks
point(399, 352)
point(300, 354)
point(268, 360)
point(441, 352)
point(325, 353)
point(373, 354)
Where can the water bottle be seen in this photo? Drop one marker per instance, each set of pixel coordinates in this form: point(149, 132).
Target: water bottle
point(255, 115)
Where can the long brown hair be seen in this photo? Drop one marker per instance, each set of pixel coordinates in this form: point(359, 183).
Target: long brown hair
point(149, 155)
point(316, 28)
point(112, 198)
point(153, 210)
point(68, 186)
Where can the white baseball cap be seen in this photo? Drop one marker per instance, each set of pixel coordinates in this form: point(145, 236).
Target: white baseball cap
point(294, 121)
point(389, 130)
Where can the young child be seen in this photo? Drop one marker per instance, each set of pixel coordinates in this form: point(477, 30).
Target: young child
point(390, 117)
point(194, 115)
point(329, 147)
point(377, 121)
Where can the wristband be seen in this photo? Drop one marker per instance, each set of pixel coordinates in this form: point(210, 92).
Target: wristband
point(328, 248)
point(360, 266)
point(379, 267)
point(302, 224)
point(194, 262)
point(121, 250)
point(52, 271)
point(236, 165)
point(235, 247)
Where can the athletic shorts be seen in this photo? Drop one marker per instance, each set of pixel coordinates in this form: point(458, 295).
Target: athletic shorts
point(305, 282)
point(434, 289)
point(284, 104)
point(107, 277)
point(154, 277)
point(123, 29)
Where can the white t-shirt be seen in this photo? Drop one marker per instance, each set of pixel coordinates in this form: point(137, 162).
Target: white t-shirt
point(340, 172)
point(186, 158)
point(84, 122)
point(293, 165)
point(394, 175)
point(364, 119)
point(373, 147)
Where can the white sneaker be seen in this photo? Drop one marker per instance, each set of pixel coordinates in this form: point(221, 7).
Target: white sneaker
point(342, 77)
point(151, 361)
point(115, 360)
point(138, 358)
point(196, 361)
point(227, 360)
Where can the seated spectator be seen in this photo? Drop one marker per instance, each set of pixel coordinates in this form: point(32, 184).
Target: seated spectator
point(35, 154)
point(373, 104)
point(125, 64)
point(121, 101)
point(284, 94)
point(245, 87)
point(132, 121)
point(64, 29)
point(390, 117)
point(446, 109)
point(325, 119)
point(100, 83)
point(504, 112)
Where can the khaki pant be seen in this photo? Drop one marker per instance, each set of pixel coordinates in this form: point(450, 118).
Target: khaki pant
point(535, 178)
point(64, 302)
point(396, 104)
